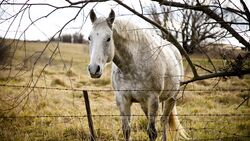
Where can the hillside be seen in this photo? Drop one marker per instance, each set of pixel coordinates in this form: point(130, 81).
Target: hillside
point(55, 110)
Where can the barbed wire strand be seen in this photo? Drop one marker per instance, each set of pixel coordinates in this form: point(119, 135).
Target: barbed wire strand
point(107, 90)
point(133, 115)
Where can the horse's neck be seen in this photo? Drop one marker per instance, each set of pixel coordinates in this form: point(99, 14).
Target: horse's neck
point(131, 46)
point(128, 54)
point(123, 58)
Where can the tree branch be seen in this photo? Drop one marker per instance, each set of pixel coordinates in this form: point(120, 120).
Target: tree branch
point(211, 14)
point(218, 74)
point(246, 10)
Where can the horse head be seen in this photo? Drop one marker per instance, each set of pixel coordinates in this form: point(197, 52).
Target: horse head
point(101, 43)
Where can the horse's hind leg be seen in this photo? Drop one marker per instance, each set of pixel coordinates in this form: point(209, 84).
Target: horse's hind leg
point(125, 112)
point(152, 114)
point(168, 107)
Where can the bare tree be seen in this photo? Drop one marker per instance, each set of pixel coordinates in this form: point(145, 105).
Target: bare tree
point(77, 38)
point(4, 54)
point(193, 30)
point(67, 38)
point(216, 12)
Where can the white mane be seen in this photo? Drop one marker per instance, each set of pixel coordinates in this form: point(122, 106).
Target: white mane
point(129, 31)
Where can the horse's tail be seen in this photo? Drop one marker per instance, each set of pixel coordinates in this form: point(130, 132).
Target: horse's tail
point(175, 126)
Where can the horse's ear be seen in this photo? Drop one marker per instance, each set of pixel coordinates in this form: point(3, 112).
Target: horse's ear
point(111, 18)
point(92, 16)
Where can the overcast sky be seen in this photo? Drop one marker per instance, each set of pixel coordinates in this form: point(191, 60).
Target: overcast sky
point(47, 27)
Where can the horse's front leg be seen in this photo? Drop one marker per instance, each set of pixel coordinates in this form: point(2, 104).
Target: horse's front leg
point(152, 114)
point(125, 112)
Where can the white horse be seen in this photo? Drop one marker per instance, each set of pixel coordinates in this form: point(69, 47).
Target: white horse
point(143, 71)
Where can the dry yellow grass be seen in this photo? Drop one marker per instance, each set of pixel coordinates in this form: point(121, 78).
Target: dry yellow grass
point(58, 114)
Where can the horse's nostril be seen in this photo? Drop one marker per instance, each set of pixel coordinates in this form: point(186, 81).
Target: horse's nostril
point(89, 68)
point(97, 69)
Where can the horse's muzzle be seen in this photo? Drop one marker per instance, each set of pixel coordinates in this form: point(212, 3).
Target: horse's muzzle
point(95, 71)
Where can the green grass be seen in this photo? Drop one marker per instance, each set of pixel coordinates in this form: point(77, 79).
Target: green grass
point(69, 70)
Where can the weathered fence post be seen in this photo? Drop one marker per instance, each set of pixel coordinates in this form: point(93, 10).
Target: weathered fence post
point(89, 116)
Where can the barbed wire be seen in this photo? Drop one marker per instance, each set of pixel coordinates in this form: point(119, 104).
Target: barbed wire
point(133, 115)
point(110, 90)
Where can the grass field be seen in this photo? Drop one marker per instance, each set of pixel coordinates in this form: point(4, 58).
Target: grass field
point(50, 114)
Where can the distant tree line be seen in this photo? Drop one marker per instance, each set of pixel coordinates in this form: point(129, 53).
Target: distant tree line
point(4, 52)
point(71, 38)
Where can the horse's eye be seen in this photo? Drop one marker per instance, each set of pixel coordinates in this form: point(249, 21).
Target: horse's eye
point(89, 38)
point(108, 39)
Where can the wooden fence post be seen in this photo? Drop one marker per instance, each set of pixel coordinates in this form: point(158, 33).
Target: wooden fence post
point(89, 116)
